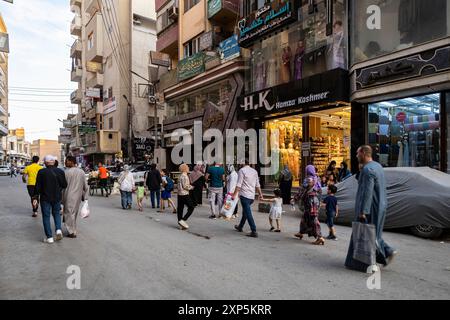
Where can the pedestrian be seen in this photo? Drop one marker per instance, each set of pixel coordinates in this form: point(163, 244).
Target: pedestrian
point(371, 207)
point(197, 179)
point(184, 198)
point(153, 181)
point(331, 170)
point(232, 180)
point(29, 175)
point(331, 180)
point(103, 178)
point(311, 172)
point(344, 173)
point(276, 210)
point(330, 203)
point(13, 171)
point(127, 186)
point(285, 185)
point(309, 200)
point(166, 195)
point(50, 183)
point(217, 175)
point(140, 195)
point(324, 181)
point(77, 191)
point(247, 185)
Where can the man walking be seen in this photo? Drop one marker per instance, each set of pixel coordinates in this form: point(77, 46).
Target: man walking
point(30, 174)
point(103, 177)
point(370, 207)
point(248, 182)
point(13, 171)
point(50, 183)
point(76, 191)
point(217, 175)
point(153, 182)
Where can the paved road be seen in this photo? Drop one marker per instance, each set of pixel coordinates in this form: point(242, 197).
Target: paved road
point(129, 255)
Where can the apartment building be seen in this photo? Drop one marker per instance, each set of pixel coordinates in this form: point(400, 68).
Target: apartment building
point(4, 115)
point(43, 147)
point(19, 150)
point(207, 66)
point(112, 38)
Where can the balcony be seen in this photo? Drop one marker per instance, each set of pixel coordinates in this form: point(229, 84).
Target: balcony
point(3, 111)
point(76, 49)
point(168, 40)
point(92, 7)
point(75, 5)
point(95, 44)
point(2, 89)
point(75, 26)
point(76, 97)
point(94, 80)
point(76, 74)
point(109, 141)
point(3, 130)
point(223, 10)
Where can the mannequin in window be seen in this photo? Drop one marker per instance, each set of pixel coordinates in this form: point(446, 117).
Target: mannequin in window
point(272, 71)
point(298, 60)
point(284, 155)
point(285, 72)
point(336, 52)
point(260, 72)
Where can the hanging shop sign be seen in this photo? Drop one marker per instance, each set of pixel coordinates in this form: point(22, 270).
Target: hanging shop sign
point(110, 105)
point(93, 93)
point(142, 147)
point(94, 67)
point(159, 59)
point(87, 128)
point(314, 92)
point(266, 20)
point(65, 139)
point(229, 49)
point(65, 132)
point(191, 66)
point(69, 123)
point(214, 6)
point(206, 40)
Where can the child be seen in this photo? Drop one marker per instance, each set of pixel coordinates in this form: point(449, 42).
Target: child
point(140, 194)
point(166, 195)
point(331, 205)
point(275, 211)
point(331, 180)
point(324, 181)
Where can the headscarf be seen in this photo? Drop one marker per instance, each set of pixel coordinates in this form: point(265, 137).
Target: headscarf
point(286, 173)
point(230, 169)
point(311, 173)
point(196, 174)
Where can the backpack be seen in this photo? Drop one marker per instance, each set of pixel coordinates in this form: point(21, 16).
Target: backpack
point(170, 185)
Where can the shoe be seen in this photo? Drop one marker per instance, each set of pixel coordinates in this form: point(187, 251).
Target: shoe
point(319, 242)
point(59, 235)
point(34, 215)
point(72, 236)
point(299, 235)
point(49, 241)
point(390, 259)
point(330, 237)
point(213, 217)
point(253, 235)
point(278, 230)
point(183, 224)
point(272, 229)
point(238, 229)
point(174, 212)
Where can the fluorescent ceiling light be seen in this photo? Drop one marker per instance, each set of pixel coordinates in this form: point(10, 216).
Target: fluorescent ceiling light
point(412, 100)
point(387, 104)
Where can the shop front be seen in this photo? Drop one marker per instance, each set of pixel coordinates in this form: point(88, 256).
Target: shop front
point(312, 117)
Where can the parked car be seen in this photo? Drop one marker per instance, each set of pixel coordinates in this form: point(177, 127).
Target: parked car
point(21, 169)
point(4, 171)
point(418, 198)
point(139, 173)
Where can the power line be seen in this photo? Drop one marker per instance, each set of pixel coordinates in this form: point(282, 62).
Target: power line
point(39, 89)
point(38, 94)
point(38, 101)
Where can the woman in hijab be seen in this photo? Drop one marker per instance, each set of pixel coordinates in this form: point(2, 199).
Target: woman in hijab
point(197, 180)
point(311, 172)
point(285, 184)
point(232, 180)
point(344, 173)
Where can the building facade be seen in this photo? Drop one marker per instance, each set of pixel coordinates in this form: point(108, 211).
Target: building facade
point(19, 150)
point(4, 113)
point(113, 37)
point(43, 147)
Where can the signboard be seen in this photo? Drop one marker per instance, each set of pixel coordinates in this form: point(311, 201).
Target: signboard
point(142, 147)
point(4, 42)
point(191, 66)
point(229, 49)
point(214, 6)
point(269, 18)
point(93, 93)
point(110, 105)
point(159, 59)
point(64, 139)
point(306, 146)
point(87, 128)
point(69, 123)
point(94, 67)
point(65, 132)
point(206, 40)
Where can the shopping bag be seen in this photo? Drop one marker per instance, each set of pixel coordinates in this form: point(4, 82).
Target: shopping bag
point(85, 211)
point(116, 189)
point(364, 243)
point(228, 206)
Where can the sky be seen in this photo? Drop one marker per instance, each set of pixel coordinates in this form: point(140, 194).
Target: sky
point(40, 41)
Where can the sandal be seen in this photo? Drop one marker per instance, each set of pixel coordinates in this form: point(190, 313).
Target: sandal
point(299, 235)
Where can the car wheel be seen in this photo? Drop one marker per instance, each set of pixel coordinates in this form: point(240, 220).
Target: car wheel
point(426, 231)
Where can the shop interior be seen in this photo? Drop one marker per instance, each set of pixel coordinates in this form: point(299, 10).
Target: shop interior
point(328, 134)
point(406, 132)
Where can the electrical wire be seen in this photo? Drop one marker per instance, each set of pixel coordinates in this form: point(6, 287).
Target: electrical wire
point(116, 21)
point(39, 89)
point(38, 101)
point(37, 94)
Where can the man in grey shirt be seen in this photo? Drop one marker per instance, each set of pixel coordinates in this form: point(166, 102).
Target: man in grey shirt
point(247, 185)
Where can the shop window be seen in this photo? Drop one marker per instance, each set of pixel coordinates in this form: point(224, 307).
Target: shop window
point(301, 51)
point(401, 24)
point(406, 132)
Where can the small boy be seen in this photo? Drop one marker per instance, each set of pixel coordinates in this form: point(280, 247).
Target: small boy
point(331, 206)
point(140, 194)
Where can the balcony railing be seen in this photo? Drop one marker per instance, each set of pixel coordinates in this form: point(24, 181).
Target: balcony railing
point(75, 27)
point(223, 10)
point(3, 130)
point(76, 74)
point(3, 111)
point(75, 50)
point(75, 97)
point(95, 80)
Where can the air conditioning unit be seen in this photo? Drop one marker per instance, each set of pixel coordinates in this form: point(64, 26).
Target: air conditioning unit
point(172, 13)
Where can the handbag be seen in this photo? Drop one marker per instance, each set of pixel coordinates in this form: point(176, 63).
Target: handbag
point(364, 243)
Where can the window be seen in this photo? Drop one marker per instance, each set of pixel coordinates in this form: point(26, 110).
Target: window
point(192, 47)
point(111, 123)
point(407, 22)
point(90, 43)
point(188, 4)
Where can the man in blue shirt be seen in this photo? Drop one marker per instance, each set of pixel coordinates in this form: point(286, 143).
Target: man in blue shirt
point(216, 176)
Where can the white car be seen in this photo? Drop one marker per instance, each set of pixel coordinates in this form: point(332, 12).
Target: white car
point(4, 171)
point(139, 174)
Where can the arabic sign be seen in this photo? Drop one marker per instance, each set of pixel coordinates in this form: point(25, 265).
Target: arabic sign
point(65, 132)
point(94, 67)
point(159, 59)
point(93, 93)
point(4, 42)
point(206, 40)
point(110, 105)
point(266, 20)
point(214, 6)
point(191, 66)
point(87, 128)
point(142, 147)
point(65, 139)
point(229, 49)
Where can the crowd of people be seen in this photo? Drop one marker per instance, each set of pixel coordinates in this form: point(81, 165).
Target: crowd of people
point(52, 187)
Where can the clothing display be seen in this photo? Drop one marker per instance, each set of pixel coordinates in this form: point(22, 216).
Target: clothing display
point(260, 75)
point(285, 72)
point(298, 60)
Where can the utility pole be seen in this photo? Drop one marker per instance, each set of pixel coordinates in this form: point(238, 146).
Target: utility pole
point(130, 127)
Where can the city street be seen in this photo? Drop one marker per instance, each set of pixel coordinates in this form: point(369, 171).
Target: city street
point(130, 255)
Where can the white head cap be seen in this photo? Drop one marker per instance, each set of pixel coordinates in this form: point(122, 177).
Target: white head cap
point(49, 158)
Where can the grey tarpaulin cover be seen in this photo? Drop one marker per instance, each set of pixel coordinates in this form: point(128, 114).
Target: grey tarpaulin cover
point(415, 196)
